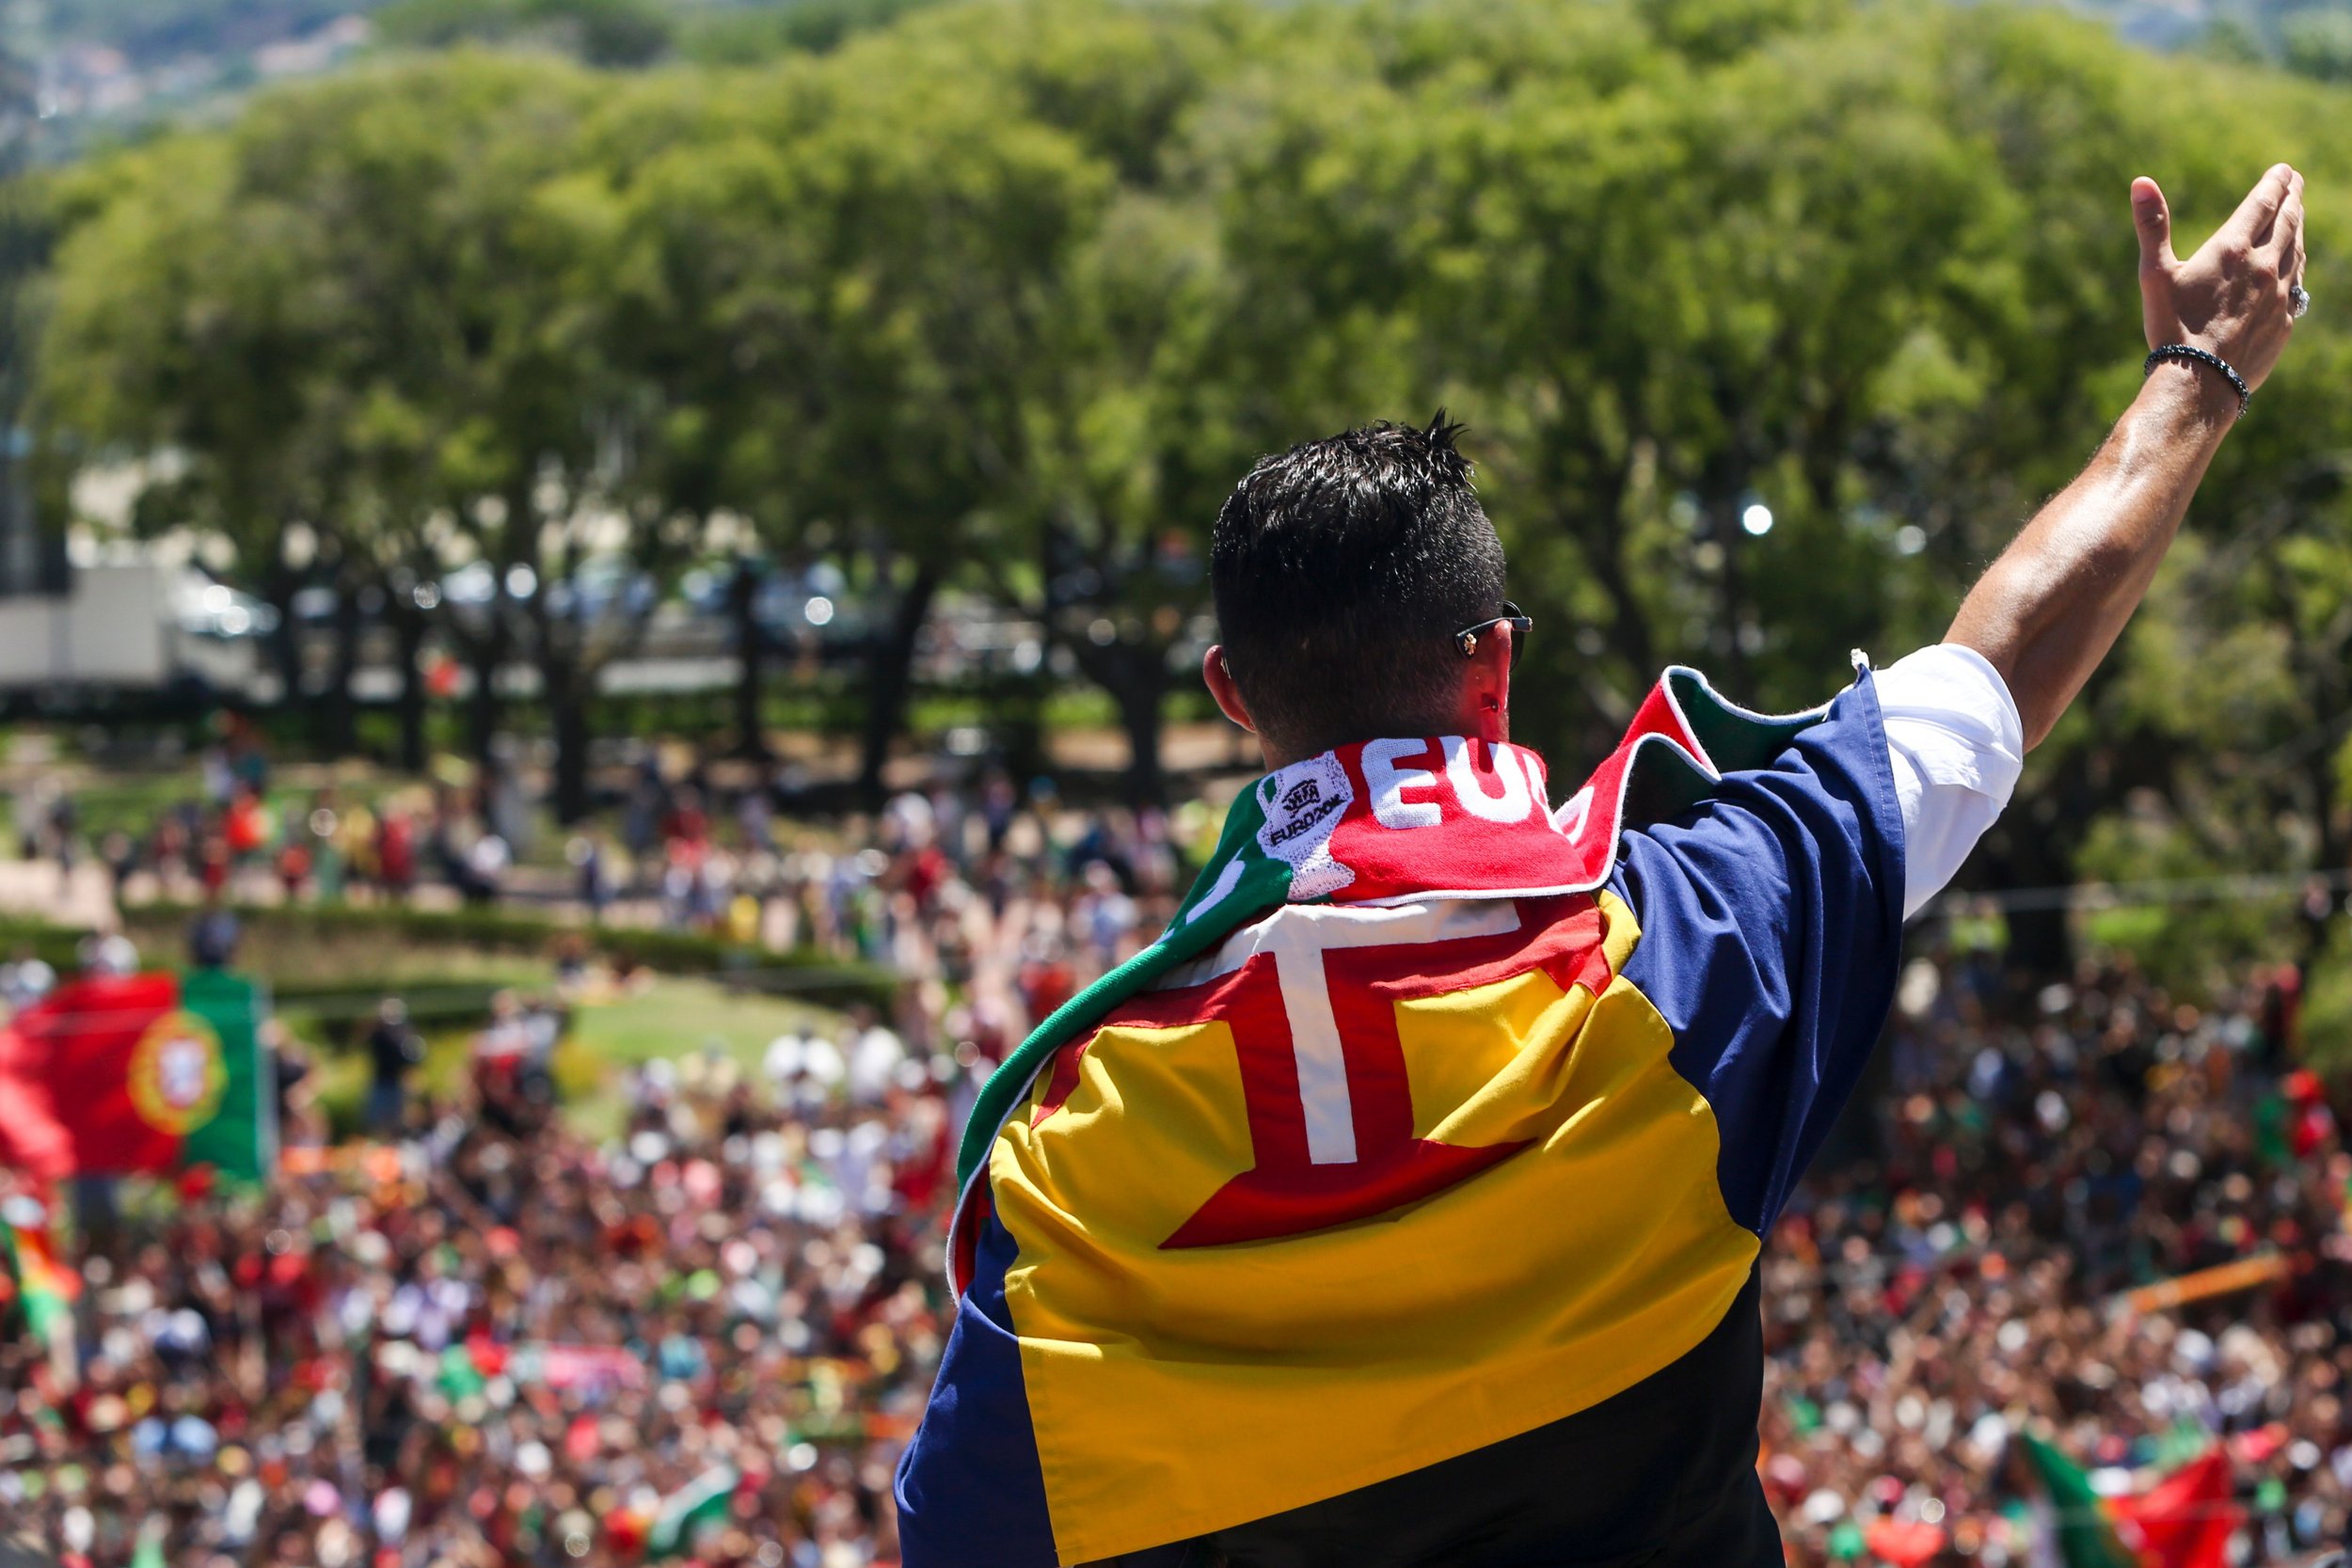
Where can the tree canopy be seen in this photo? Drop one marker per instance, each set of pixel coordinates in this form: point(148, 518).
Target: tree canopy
point(1771, 320)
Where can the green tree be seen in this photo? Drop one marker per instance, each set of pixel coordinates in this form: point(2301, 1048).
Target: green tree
point(1667, 275)
point(413, 190)
point(30, 556)
point(1137, 436)
point(1122, 392)
point(598, 32)
point(750, 35)
point(2318, 43)
point(1866, 269)
point(1001, 296)
point(719, 285)
point(348, 321)
point(181, 338)
point(537, 421)
point(954, 219)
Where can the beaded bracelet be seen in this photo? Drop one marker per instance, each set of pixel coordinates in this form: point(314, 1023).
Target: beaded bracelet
point(2198, 356)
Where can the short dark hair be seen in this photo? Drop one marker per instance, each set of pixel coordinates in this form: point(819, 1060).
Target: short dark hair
point(1342, 568)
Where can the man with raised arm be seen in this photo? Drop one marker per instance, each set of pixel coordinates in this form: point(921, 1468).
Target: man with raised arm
point(1402, 1203)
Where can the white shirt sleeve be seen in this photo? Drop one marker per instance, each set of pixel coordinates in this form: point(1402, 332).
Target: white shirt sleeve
point(1956, 745)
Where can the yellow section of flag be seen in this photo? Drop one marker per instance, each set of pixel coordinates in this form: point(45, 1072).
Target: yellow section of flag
point(1176, 1390)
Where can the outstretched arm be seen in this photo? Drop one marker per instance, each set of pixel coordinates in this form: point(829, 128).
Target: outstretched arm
point(2054, 602)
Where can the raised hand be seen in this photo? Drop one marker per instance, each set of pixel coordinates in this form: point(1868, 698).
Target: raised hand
point(2054, 603)
point(2232, 297)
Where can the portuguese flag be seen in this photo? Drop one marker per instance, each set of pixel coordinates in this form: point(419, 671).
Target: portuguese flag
point(159, 1073)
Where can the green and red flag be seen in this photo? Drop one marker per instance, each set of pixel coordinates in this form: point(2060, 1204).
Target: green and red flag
point(2074, 1517)
point(159, 1073)
point(2185, 1521)
point(45, 1287)
point(702, 1504)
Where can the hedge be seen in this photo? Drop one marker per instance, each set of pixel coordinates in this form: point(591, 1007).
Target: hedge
point(806, 975)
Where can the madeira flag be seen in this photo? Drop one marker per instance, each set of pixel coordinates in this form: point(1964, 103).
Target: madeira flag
point(157, 1074)
point(1402, 1202)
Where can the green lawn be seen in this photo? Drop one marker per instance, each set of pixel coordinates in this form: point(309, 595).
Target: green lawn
point(673, 1017)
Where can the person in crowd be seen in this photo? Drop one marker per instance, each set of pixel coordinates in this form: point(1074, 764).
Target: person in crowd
point(395, 1050)
point(105, 953)
point(246, 828)
point(586, 853)
point(501, 1050)
point(481, 869)
point(214, 935)
point(64, 832)
point(356, 844)
point(26, 978)
point(120, 851)
point(396, 852)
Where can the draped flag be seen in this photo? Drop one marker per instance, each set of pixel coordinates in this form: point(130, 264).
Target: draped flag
point(700, 1505)
point(46, 1289)
point(1291, 839)
point(2185, 1521)
point(1383, 1153)
point(2074, 1517)
point(157, 1074)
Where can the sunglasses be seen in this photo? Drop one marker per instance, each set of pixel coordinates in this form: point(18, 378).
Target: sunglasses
point(1517, 620)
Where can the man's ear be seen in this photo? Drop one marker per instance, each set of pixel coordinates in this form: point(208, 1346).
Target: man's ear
point(1219, 681)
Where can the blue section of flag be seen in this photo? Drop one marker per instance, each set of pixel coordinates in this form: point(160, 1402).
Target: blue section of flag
point(970, 1492)
point(1772, 925)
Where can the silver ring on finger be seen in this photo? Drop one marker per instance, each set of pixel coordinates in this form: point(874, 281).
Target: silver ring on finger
point(2298, 300)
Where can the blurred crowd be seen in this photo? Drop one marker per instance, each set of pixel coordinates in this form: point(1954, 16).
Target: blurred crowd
point(995, 908)
point(2035, 1155)
point(478, 1337)
point(950, 885)
point(679, 848)
point(232, 839)
point(475, 1338)
point(487, 1341)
